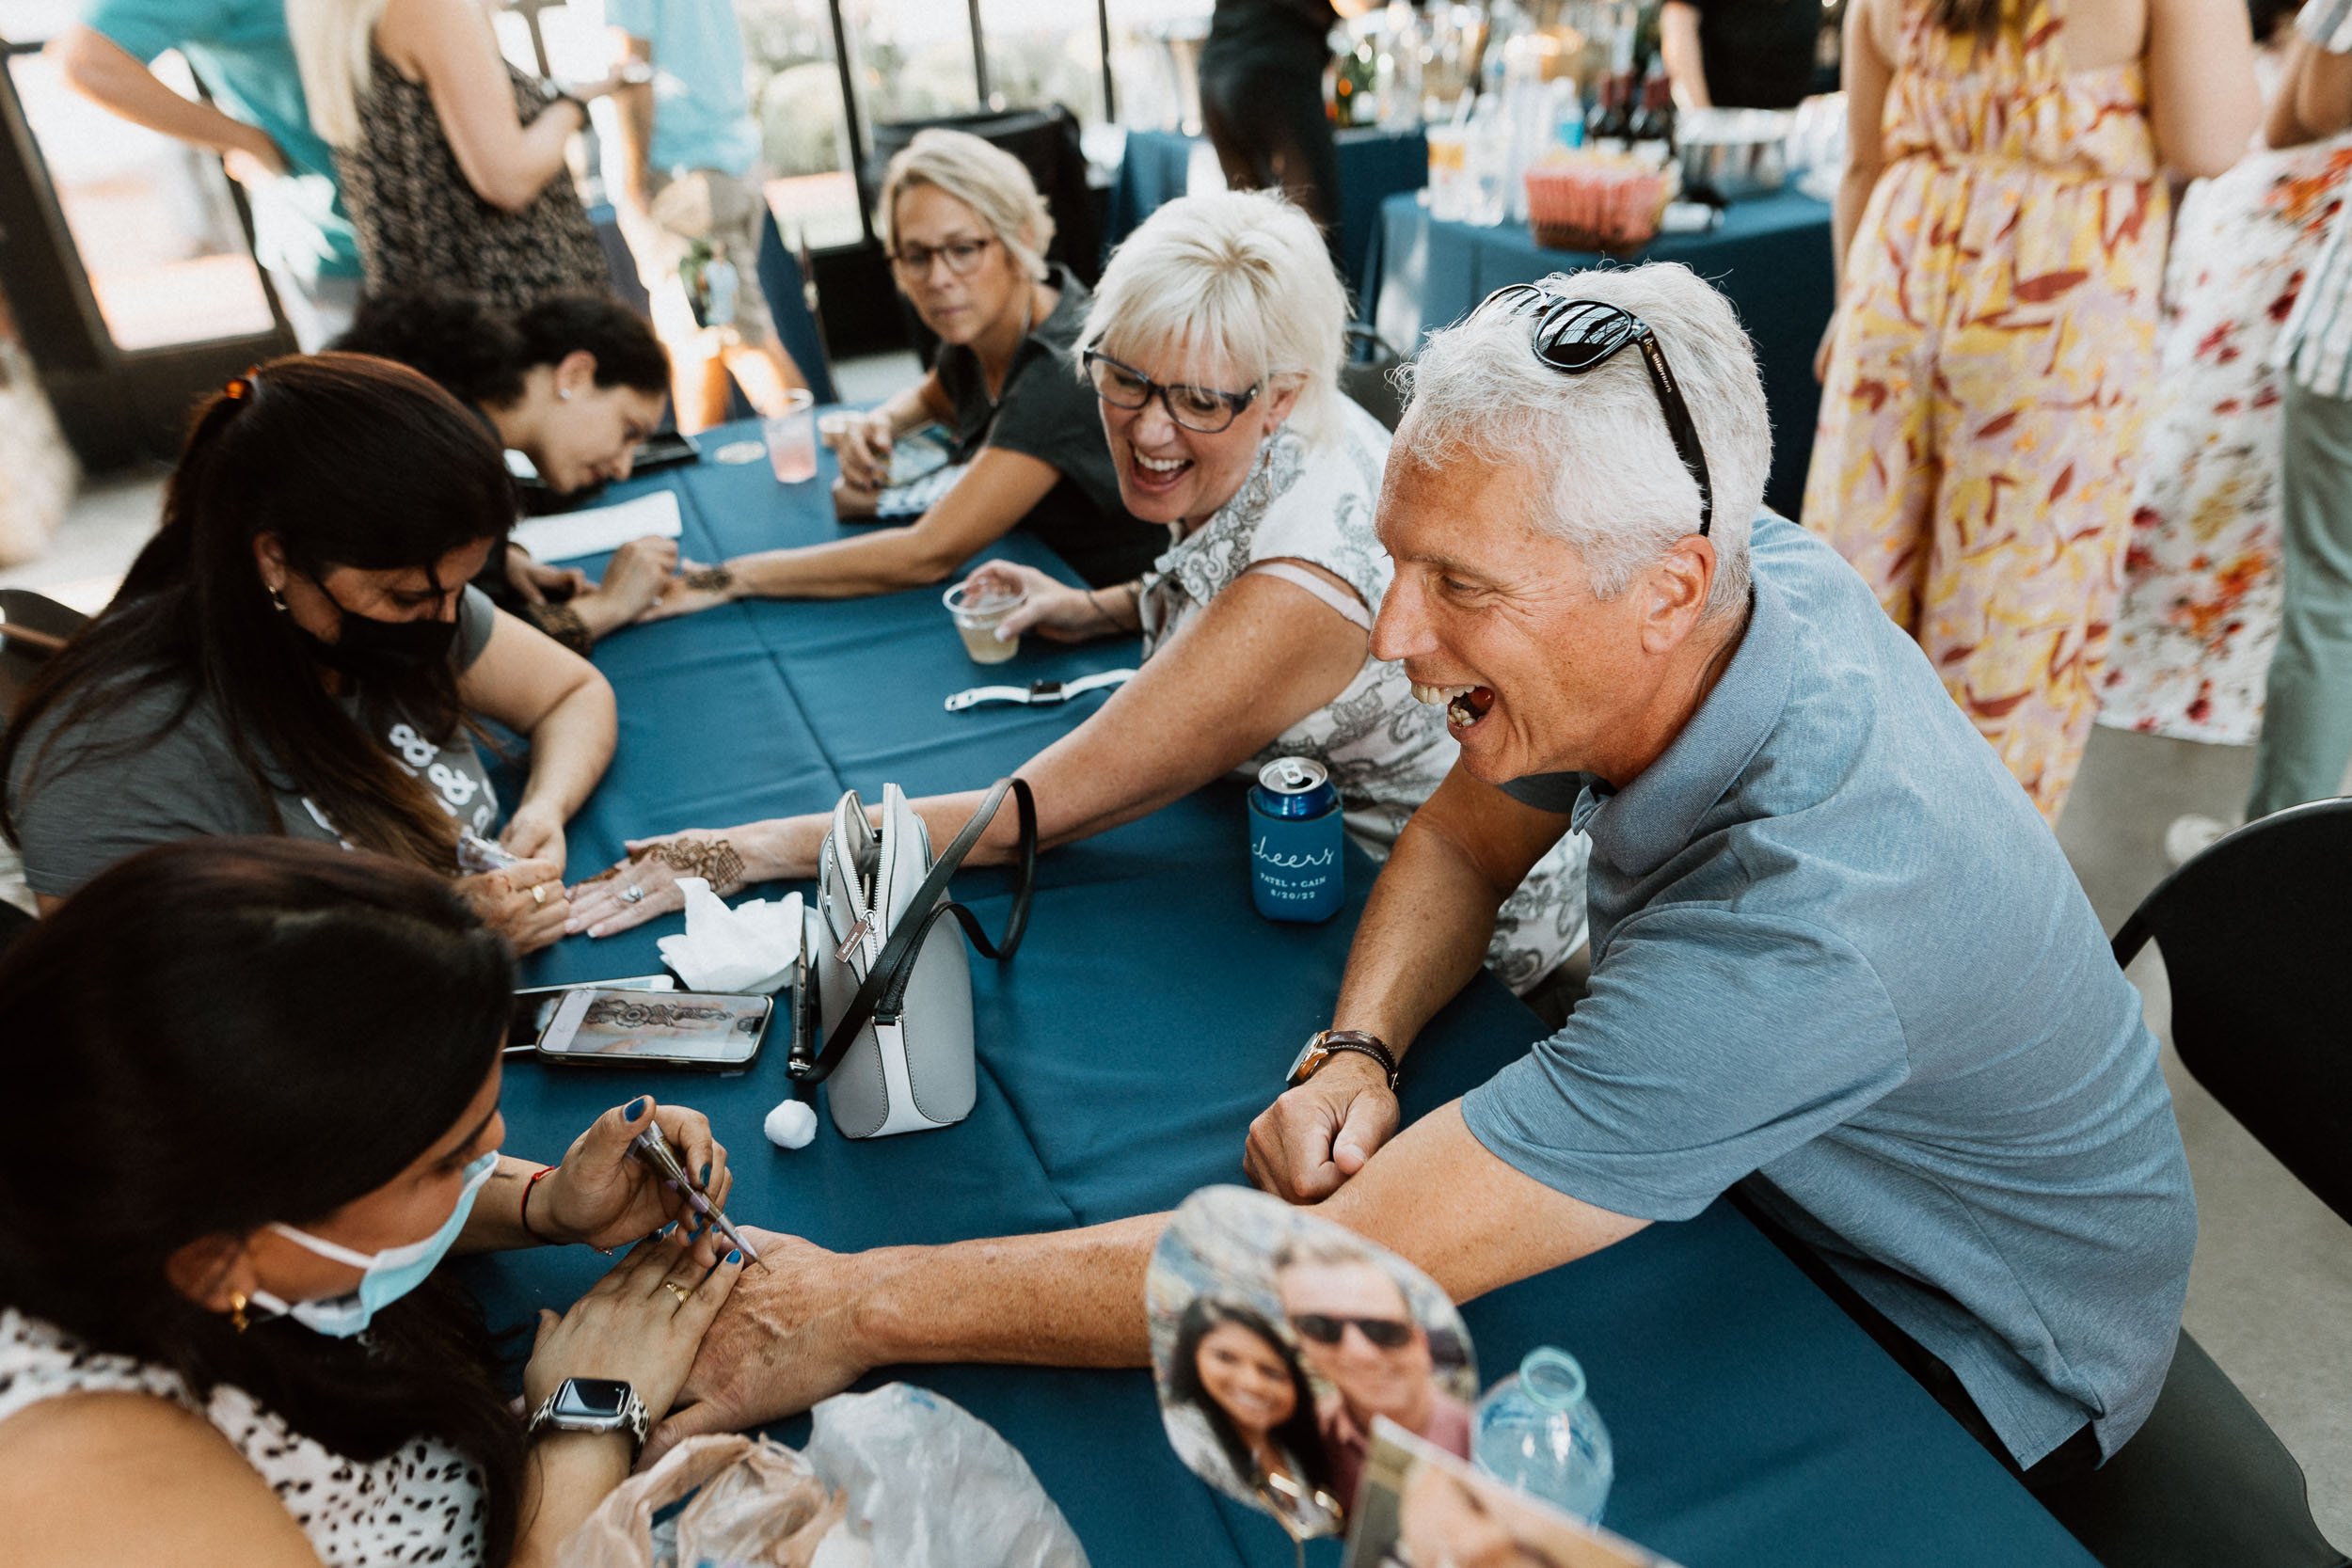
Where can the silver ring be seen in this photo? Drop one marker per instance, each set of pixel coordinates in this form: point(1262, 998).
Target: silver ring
point(633, 893)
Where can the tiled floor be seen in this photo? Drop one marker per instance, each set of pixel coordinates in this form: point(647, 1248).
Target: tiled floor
point(2271, 1293)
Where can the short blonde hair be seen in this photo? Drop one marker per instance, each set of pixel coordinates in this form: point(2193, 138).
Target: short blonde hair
point(985, 178)
point(1238, 275)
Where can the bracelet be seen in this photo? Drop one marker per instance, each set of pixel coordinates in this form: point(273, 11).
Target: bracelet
point(1108, 619)
point(522, 1210)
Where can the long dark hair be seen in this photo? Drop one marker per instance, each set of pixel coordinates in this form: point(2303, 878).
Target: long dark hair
point(481, 353)
point(1297, 1435)
point(227, 1032)
point(349, 462)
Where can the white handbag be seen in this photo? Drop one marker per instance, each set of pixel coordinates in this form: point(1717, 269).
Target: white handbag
point(894, 987)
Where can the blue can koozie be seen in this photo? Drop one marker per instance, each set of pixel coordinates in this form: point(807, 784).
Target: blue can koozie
point(1296, 870)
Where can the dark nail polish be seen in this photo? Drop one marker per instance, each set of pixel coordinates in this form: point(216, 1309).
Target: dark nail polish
point(706, 1173)
point(736, 1255)
point(637, 1107)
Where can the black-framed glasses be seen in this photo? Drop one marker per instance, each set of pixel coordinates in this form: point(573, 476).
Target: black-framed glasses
point(1574, 336)
point(1201, 409)
point(962, 257)
point(1327, 1329)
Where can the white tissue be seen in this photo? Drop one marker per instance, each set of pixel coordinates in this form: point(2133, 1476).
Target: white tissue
point(752, 947)
point(790, 1125)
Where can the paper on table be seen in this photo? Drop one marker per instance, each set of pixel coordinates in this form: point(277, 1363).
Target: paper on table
point(601, 529)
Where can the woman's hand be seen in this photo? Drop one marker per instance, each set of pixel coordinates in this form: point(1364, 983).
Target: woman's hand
point(853, 501)
point(862, 447)
point(696, 588)
point(638, 575)
point(603, 905)
point(642, 1324)
point(604, 1195)
point(536, 834)
point(1054, 610)
point(540, 584)
point(524, 903)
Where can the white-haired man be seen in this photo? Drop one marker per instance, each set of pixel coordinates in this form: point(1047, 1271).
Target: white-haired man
point(1837, 959)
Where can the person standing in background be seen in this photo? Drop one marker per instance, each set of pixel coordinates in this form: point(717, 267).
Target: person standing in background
point(2203, 583)
point(454, 162)
point(260, 127)
point(2307, 700)
point(1999, 237)
point(1738, 54)
point(1262, 100)
point(694, 213)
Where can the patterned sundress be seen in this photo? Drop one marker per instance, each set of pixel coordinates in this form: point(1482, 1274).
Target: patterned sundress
point(2201, 578)
point(1986, 392)
point(1385, 751)
point(422, 226)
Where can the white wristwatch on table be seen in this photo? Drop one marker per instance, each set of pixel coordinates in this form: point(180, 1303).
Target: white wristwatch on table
point(1037, 693)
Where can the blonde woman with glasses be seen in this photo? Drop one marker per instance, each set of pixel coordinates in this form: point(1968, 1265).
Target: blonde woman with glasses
point(1213, 353)
point(966, 232)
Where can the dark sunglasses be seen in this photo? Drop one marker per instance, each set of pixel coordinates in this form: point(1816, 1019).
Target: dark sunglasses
point(1386, 1332)
point(1574, 336)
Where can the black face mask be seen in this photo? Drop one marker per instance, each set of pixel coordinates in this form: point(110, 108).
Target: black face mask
point(370, 650)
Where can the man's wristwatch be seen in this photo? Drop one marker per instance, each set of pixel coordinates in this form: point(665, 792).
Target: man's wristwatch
point(1325, 1044)
point(594, 1405)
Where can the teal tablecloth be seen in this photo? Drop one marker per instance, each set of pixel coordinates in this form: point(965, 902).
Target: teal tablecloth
point(1770, 256)
point(1123, 1055)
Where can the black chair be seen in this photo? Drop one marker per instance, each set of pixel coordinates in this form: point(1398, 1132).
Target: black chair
point(2254, 933)
point(1046, 142)
point(32, 627)
point(1368, 375)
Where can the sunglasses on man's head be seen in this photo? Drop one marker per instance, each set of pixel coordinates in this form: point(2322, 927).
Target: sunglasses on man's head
point(1386, 1332)
point(1574, 336)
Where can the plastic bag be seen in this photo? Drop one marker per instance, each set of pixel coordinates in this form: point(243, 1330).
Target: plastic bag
point(931, 1486)
point(759, 1503)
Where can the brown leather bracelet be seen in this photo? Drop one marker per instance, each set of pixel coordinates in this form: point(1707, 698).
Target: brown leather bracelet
point(1331, 1043)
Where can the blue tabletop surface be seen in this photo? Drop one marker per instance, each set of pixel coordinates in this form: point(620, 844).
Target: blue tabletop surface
point(1123, 1055)
point(1770, 256)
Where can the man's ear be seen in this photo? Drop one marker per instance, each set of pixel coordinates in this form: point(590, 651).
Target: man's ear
point(1677, 587)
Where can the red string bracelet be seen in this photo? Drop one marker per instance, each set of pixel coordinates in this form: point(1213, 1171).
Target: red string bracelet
point(522, 1210)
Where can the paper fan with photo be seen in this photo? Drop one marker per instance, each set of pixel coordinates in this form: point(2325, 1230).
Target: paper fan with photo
point(1279, 1337)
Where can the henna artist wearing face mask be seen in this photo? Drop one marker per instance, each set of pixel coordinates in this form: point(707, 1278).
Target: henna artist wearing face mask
point(296, 652)
point(220, 1308)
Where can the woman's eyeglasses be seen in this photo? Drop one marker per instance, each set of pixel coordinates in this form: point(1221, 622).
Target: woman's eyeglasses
point(962, 257)
point(1574, 336)
point(1204, 410)
point(1385, 1333)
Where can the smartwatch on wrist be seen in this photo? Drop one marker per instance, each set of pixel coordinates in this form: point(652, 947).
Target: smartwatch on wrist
point(594, 1405)
point(1325, 1044)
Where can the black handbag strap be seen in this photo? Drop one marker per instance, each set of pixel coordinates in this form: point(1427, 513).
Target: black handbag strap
point(884, 990)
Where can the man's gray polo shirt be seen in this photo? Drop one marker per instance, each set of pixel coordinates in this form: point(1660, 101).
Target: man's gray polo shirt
point(1838, 955)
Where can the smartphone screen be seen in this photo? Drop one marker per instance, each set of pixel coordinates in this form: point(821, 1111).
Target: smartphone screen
point(687, 1028)
point(534, 1008)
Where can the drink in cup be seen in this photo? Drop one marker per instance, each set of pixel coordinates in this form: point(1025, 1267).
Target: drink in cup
point(792, 438)
point(977, 605)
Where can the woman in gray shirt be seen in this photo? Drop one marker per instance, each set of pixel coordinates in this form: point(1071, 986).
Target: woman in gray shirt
point(296, 652)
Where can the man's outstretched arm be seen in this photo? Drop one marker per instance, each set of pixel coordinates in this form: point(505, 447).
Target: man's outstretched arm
point(807, 1323)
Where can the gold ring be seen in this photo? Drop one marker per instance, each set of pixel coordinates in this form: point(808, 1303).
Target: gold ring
point(538, 892)
point(682, 1293)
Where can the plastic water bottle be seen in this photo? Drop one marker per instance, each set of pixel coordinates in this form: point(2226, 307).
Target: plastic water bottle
point(1537, 1432)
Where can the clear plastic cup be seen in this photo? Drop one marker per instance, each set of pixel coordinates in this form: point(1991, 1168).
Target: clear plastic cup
point(978, 607)
point(792, 438)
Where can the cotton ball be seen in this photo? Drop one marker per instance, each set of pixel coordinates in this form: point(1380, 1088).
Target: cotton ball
point(790, 1125)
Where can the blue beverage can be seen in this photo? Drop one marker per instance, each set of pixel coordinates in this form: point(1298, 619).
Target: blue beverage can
point(1295, 866)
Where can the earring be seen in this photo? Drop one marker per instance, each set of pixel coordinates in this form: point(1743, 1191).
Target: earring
point(563, 392)
point(278, 601)
point(237, 1319)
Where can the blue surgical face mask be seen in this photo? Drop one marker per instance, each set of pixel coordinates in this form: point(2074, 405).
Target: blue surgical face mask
point(386, 1277)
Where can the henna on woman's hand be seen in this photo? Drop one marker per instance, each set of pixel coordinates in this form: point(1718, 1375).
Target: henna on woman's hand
point(714, 860)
